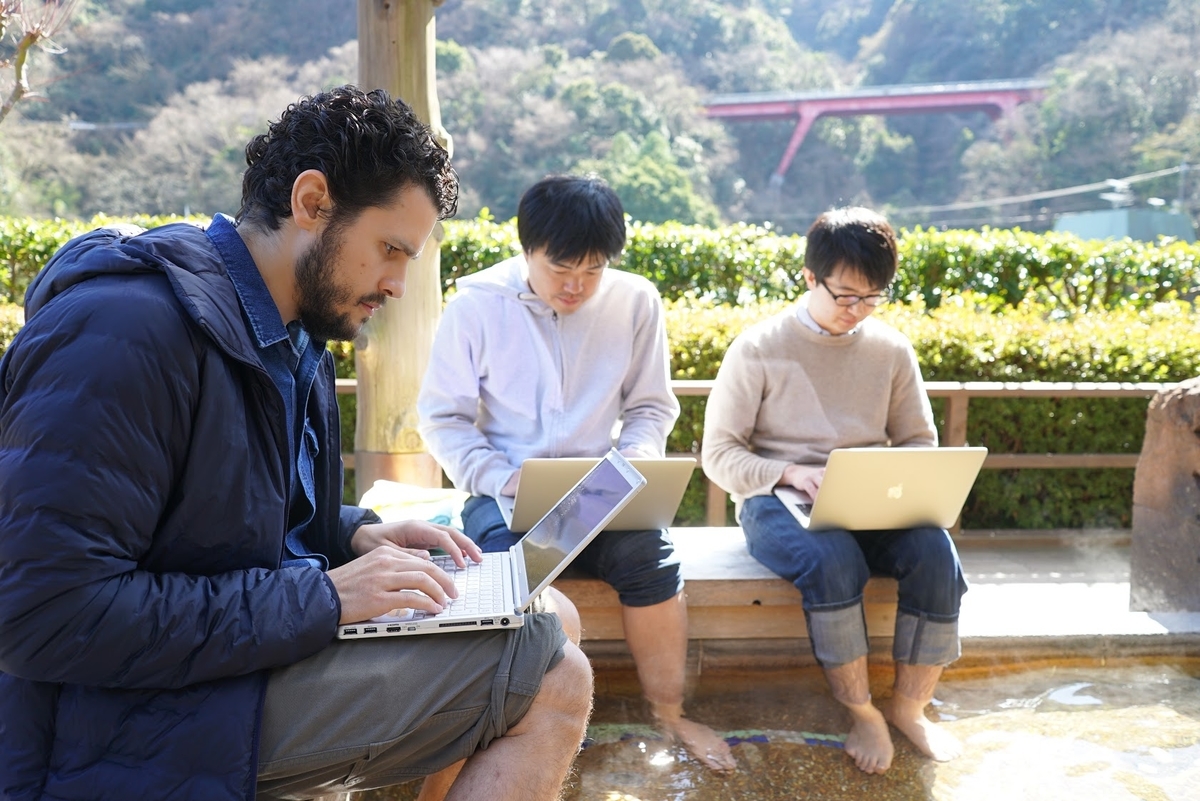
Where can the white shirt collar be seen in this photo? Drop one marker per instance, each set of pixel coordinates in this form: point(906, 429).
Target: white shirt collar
point(807, 320)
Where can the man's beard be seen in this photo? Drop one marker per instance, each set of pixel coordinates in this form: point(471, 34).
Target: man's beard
point(320, 296)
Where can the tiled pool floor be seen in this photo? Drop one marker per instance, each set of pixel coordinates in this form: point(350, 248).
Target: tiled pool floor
point(1087, 731)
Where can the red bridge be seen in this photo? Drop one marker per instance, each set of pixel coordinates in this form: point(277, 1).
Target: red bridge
point(994, 98)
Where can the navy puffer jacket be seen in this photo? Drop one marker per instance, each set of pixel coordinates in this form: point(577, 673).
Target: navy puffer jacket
point(143, 489)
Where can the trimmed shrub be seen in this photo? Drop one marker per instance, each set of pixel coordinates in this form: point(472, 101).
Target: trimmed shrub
point(963, 340)
point(993, 305)
point(745, 263)
point(1059, 268)
point(27, 244)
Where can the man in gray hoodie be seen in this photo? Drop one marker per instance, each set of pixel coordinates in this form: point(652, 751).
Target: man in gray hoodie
point(548, 354)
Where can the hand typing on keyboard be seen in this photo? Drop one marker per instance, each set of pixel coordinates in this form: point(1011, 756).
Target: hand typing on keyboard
point(479, 587)
point(394, 571)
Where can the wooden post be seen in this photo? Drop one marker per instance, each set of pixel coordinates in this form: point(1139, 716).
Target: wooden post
point(396, 49)
point(956, 432)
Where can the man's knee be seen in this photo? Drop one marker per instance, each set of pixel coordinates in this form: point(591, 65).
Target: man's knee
point(836, 574)
point(931, 579)
point(939, 557)
point(554, 601)
point(641, 566)
point(567, 686)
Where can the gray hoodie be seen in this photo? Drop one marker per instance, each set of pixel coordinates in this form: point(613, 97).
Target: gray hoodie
point(509, 379)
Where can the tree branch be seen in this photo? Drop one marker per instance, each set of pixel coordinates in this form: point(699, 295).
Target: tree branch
point(21, 78)
point(55, 15)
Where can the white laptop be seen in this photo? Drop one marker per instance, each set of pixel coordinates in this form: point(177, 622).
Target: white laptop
point(868, 489)
point(495, 593)
point(543, 481)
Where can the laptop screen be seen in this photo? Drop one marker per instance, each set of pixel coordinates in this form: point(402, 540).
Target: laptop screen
point(566, 527)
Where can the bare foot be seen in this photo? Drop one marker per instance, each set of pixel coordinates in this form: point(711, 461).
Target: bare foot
point(869, 743)
point(932, 740)
point(700, 741)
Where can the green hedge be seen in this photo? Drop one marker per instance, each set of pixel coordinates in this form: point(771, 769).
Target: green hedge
point(994, 305)
point(965, 340)
point(1013, 265)
point(744, 263)
point(27, 244)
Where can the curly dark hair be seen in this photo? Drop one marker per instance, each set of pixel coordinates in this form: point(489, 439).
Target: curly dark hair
point(368, 146)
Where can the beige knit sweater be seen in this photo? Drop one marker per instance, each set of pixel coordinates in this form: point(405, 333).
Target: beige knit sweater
point(786, 394)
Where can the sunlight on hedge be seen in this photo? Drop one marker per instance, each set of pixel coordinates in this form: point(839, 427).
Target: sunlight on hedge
point(990, 305)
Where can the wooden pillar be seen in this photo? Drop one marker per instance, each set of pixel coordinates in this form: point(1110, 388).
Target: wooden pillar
point(396, 49)
point(956, 432)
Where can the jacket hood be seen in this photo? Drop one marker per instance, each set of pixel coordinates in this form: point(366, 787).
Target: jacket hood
point(181, 251)
point(509, 279)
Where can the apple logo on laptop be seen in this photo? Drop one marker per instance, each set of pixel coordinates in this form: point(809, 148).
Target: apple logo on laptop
point(894, 493)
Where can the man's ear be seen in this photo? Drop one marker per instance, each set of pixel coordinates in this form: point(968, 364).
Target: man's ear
point(810, 279)
point(311, 203)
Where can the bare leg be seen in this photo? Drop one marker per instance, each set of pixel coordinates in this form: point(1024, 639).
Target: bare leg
point(869, 742)
point(912, 693)
point(568, 615)
point(435, 786)
point(531, 761)
point(657, 638)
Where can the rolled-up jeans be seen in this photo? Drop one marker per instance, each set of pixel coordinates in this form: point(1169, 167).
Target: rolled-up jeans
point(831, 567)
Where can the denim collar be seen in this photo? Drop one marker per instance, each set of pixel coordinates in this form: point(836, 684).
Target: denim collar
point(262, 315)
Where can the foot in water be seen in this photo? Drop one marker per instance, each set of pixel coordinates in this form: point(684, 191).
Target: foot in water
point(932, 740)
point(869, 743)
point(699, 740)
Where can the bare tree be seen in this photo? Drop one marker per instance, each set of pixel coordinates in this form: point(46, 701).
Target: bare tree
point(33, 25)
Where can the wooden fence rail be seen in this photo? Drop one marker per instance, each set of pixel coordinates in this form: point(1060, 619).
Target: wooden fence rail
point(958, 396)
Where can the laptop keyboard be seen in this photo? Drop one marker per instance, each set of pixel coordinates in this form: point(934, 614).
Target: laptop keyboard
point(480, 587)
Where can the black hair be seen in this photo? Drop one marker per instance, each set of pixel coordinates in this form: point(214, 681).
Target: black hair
point(571, 217)
point(368, 146)
point(855, 238)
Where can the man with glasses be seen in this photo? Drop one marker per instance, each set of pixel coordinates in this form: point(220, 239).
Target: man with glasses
point(544, 355)
point(819, 376)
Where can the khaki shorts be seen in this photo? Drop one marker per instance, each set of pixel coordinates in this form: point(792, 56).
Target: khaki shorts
point(374, 713)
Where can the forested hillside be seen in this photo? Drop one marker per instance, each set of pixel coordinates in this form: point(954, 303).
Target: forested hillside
point(616, 86)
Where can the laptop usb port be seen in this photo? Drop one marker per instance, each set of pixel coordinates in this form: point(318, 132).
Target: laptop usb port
point(487, 622)
point(370, 630)
point(395, 628)
point(351, 631)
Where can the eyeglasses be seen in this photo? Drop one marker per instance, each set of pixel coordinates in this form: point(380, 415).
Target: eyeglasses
point(853, 300)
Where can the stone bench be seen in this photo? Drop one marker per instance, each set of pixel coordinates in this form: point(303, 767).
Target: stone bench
point(730, 595)
point(1039, 594)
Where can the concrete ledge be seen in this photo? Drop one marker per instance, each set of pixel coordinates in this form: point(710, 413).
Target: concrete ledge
point(1025, 602)
point(729, 594)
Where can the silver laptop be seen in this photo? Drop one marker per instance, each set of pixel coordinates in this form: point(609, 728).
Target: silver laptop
point(543, 481)
point(495, 593)
point(868, 489)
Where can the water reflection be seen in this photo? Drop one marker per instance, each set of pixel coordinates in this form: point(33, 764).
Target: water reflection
point(1112, 733)
point(1071, 695)
point(1104, 733)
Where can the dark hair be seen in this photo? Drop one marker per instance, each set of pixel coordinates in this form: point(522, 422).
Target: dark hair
point(856, 238)
point(368, 146)
point(571, 217)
